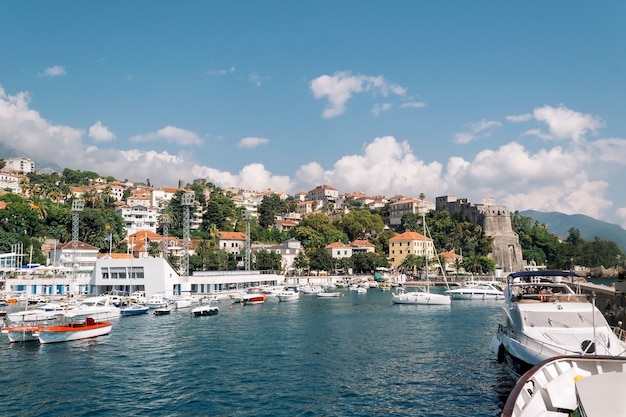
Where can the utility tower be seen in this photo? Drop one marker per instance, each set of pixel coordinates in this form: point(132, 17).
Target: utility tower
point(77, 206)
point(246, 216)
point(186, 201)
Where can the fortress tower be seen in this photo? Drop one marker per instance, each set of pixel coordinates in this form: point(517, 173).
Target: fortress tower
point(496, 223)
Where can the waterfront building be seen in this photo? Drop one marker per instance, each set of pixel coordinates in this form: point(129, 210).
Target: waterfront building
point(116, 274)
point(409, 243)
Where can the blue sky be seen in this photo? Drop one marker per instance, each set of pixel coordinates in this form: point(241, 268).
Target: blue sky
point(520, 101)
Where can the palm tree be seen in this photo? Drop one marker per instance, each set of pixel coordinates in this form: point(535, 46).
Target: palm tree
point(37, 204)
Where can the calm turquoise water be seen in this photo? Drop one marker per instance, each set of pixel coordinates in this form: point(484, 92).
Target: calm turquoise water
point(358, 355)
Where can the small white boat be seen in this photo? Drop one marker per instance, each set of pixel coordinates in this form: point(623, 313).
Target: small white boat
point(22, 326)
point(329, 294)
point(591, 386)
point(162, 311)
point(182, 302)
point(419, 296)
point(285, 296)
point(477, 290)
point(74, 329)
point(310, 289)
point(157, 301)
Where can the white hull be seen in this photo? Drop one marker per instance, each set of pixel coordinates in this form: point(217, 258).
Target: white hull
point(421, 298)
point(21, 334)
point(570, 385)
point(474, 295)
point(100, 314)
point(53, 336)
point(183, 303)
point(544, 318)
point(289, 296)
point(328, 294)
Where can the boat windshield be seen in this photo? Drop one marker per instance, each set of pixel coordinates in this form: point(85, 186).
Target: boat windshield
point(560, 319)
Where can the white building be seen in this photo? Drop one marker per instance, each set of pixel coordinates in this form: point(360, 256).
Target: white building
point(138, 217)
point(409, 205)
point(22, 165)
point(10, 182)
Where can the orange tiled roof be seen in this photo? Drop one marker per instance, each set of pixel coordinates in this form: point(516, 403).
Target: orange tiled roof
point(410, 236)
point(232, 236)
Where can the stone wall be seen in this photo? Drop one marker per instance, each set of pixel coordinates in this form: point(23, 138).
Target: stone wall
point(496, 223)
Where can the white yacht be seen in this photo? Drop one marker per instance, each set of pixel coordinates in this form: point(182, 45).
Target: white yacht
point(545, 318)
point(477, 290)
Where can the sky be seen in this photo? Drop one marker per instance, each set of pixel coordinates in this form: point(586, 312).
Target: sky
point(523, 102)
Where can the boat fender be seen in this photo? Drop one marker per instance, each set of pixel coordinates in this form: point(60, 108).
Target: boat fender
point(501, 354)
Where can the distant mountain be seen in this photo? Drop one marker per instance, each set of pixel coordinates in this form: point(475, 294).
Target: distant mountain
point(559, 224)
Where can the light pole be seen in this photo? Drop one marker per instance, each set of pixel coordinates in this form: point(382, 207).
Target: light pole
point(186, 201)
point(77, 206)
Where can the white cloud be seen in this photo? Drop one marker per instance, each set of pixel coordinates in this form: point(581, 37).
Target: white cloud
point(381, 107)
point(219, 72)
point(385, 167)
point(341, 86)
point(564, 123)
point(413, 105)
point(55, 71)
point(171, 134)
point(253, 176)
point(621, 214)
point(477, 130)
point(519, 118)
point(258, 80)
point(100, 133)
point(252, 142)
point(24, 130)
point(564, 179)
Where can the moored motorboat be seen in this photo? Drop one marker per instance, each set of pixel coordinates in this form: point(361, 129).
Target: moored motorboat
point(22, 326)
point(134, 309)
point(570, 386)
point(74, 329)
point(101, 307)
point(477, 290)
point(545, 318)
point(205, 310)
point(326, 294)
point(162, 311)
point(157, 301)
point(289, 295)
point(250, 299)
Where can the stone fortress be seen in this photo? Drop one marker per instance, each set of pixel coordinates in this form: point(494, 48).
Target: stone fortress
point(496, 223)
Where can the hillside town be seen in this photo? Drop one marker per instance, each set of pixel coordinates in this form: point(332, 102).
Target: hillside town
point(141, 206)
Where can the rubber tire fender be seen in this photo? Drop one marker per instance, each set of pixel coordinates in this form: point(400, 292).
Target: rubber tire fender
point(501, 354)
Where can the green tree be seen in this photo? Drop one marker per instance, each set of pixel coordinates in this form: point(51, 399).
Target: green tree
point(270, 207)
point(267, 261)
point(320, 260)
point(360, 224)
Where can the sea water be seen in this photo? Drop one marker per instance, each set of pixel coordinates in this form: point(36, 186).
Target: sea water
point(355, 355)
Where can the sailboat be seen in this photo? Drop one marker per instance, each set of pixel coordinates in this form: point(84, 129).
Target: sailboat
point(421, 295)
